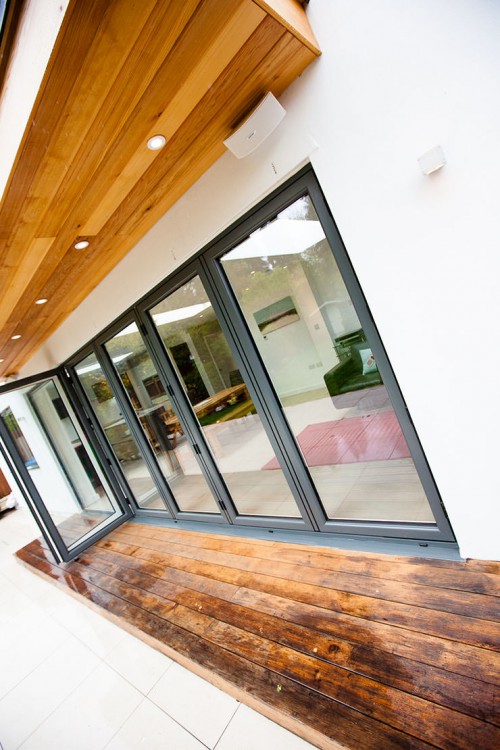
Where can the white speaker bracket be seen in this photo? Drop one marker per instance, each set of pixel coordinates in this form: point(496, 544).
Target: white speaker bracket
point(258, 126)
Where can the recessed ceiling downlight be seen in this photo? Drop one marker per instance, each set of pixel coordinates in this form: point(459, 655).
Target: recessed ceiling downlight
point(17, 336)
point(156, 142)
point(81, 245)
point(41, 301)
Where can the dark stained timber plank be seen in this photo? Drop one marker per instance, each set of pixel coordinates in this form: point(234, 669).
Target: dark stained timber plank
point(463, 603)
point(401, 710)
point(422, 719)
point(486, 566)
point(415, 570)
point(374, 667)
point(40, 548)
point(450, 655)
point(305, 705)
point(470, 630)
point(428, 682)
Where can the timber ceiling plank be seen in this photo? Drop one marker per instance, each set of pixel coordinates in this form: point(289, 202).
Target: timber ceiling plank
point(292, 16)
point(199, 144)
point(77, 32)
point(136, 208)
point(177, 68)
point(222, 103)
point(117, 35)
point(108, 50)
point(110, 136)
point(83, 169)
point(69, 228)
point(234, 32)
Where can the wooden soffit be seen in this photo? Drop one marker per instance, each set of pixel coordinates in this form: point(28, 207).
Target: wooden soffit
point(119, 73)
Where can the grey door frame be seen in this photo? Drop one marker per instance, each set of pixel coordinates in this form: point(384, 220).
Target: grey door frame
point(167, 372)
point(305, 183)
point(207, 265)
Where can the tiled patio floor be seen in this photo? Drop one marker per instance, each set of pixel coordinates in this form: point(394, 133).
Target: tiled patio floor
point(69, 678)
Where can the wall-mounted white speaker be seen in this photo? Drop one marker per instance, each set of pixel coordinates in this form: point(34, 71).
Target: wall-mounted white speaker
point(259, 124)
point(432, 160)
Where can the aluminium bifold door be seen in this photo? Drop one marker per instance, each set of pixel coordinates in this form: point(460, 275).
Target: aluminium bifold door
point(58, 465)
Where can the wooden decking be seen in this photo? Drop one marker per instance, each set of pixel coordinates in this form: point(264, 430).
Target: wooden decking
point(344, 648)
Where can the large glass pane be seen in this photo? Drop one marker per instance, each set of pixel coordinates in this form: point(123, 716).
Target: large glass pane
point(306, 329)
point(159, 422)
point(199, 351)
point(61, 464)
point(126, 450)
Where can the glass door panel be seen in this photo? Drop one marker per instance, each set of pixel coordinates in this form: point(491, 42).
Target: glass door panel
point(201, 356)
point(163, 431)
point(58, 460)
point(304, 325)
point(127, 452)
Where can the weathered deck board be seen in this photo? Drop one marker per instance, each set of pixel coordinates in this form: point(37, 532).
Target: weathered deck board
point(481, 606)
point(367, 651)
point(469, 630)
point(454, 575)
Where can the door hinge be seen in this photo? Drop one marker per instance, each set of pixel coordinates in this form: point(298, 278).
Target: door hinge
point(222, 506)
point(196, 449)
point(170, 390)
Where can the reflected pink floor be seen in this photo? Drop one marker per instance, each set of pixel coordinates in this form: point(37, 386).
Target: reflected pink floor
point(374, 437)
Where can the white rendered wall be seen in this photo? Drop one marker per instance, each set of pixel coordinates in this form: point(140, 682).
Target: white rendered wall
point(395, 79)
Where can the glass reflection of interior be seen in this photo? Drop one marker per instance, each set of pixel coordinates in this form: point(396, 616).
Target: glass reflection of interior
point(173, 451)
point(306, 329)
point(107, 411)
point(22, 445)
point(63, 469)
point(200, 353)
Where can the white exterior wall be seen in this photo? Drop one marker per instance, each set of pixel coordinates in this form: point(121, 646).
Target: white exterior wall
point(395, 79)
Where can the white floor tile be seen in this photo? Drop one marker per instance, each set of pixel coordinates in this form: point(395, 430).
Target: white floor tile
point(138, 663)
point(94, 630)
point(150, 728)
point(17, 528)
point(200, 707)
point(23, 579)
point(249, 730)
point(90, 716)
point(25, 642)
point(12, 600)
point(25, 707)
point(56, 692)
